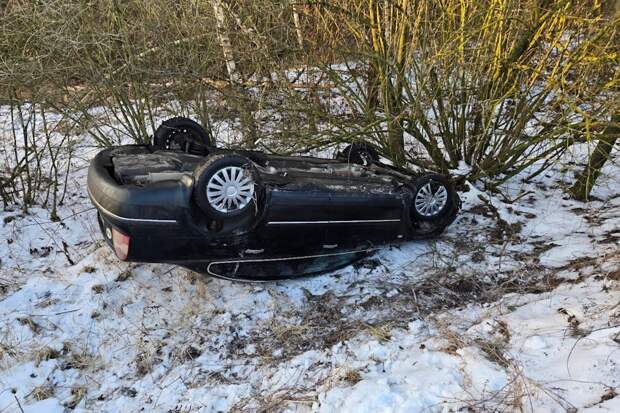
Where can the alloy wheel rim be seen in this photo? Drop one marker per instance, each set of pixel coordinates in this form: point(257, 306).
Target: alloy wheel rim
point(429, 202)
point(230, 189)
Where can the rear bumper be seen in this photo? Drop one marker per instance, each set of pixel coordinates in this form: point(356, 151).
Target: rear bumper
point(163, 203)
point(156, 217)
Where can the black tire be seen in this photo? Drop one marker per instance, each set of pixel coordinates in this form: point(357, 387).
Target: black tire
point(182, 135)
point(217, 164)
point(437, 184)
point(359, 153)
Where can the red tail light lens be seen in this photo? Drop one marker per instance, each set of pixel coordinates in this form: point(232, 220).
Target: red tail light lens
point(121, 244)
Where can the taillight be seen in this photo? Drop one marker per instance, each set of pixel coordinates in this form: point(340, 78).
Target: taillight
point(121, 244)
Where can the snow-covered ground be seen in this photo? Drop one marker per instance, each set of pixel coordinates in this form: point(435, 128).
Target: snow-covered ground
point(515, 307)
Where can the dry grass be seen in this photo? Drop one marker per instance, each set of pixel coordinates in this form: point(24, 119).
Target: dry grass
point(495, 351)
point(77, 393)
point(7, 351)
point(352, 377)
point(148, 355)
point(44, 354)
point(89, 269)
point(329, 319)
point(123, 275)
point(381, 332)
point(42, 392)
point(28, 321)
point(80, 360)
point(494, 348)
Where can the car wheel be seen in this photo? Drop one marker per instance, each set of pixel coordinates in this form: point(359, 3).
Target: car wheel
point(226, 186)
point(182, 135)
point(359, 153)
point(433, 197)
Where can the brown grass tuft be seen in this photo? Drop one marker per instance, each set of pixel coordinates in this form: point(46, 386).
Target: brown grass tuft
point(44, 354)
point(42, 392)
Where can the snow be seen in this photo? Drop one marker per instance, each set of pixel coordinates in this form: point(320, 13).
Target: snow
point(415, 372)
point(45, 406)
point(515, 307)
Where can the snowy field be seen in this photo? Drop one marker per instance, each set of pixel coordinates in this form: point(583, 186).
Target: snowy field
point(515, 308)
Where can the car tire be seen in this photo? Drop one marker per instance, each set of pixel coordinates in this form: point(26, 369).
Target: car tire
point(359, 153)
point(226, 186)
point(433, 197)
point(182, 135)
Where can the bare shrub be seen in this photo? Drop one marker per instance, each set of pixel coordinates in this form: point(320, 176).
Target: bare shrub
point(498, 85)
point(37, 159)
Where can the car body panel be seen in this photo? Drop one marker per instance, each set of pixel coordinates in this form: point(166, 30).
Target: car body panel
point(309, 207)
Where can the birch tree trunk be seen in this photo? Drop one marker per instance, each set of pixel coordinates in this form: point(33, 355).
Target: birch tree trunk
point(297, 22)
point(224, 39)
point(240, 98)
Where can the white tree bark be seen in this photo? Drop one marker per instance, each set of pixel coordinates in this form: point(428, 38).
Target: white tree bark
point(225, 43)
point(297, 22)
point(246, 115)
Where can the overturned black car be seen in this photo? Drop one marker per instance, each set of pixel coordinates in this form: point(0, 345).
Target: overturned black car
point(254, 216)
